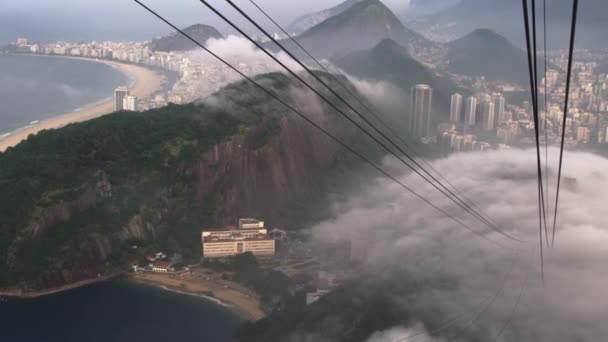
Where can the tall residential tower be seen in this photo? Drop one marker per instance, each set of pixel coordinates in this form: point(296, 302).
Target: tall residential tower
point(499, 107)
point(455, 108)
point(469, 111)
point(120, 94)
point(420, 120)
point(488, 113)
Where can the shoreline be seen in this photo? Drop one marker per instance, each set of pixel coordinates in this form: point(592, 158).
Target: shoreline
point(144, 82)
point(247, 306)
point(21, 294)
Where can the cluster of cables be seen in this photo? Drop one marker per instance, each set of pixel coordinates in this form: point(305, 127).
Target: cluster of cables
point(390, 141)
point(395, 146)
point(531, 49)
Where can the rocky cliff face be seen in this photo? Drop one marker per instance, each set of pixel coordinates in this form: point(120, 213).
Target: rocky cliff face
point(258, 183)
point(87, 255)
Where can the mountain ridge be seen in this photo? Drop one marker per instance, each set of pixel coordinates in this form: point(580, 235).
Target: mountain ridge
point(506, 18)
point(484, 52)
point(360, 27)
point(307, 21)
point(177, 42)
point(392, 62)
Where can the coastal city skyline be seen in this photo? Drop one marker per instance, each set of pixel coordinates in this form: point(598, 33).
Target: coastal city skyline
point(485, 121)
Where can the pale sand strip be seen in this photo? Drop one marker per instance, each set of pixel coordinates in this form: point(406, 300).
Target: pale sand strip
point(147, 82)
point(236, 296)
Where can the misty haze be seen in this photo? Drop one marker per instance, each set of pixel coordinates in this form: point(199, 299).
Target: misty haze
point(324, 170)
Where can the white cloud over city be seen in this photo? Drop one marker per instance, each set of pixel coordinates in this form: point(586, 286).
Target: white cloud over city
point(422, 244)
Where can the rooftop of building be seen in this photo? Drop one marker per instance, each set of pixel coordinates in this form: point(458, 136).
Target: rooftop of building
point(260, 237)
point(232, 228)
point(162, 264)
point(244, 224)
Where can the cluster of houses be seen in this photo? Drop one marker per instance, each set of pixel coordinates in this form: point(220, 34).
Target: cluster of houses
point(160, 262)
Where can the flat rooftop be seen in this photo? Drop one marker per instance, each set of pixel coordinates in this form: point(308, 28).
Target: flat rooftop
point(261, 237)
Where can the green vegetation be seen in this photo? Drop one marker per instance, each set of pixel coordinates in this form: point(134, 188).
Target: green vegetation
point(269, 129)
point(270, 285)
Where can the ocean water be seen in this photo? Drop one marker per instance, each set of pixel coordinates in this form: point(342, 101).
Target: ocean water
point(39, 87)
point(116, 311)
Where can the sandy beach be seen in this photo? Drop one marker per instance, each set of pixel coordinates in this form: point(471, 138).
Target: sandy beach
point(146, 83)
point(233, 295)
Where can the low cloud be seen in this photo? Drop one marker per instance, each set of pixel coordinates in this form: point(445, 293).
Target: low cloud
point(239, 50)
point(422, 244)
point(69, 91)
point(387, 98)
point(402, 334)
point(241, 54)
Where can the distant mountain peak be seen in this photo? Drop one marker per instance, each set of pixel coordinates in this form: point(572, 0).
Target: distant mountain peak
point(360, 27)
point(484, 52)
point(307, 21)
point(198, 27)
point(371, 8)
point(486, 34)
point(390, 46)
point(391, 62)
point(387, 44)
point(366, 13)
point(177, 42)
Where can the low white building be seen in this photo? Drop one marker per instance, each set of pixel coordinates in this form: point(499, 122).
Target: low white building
point(162, 266)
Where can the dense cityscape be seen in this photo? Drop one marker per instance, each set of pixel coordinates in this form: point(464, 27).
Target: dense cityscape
point(487, 120)
point(199, 74)
point(481, 121)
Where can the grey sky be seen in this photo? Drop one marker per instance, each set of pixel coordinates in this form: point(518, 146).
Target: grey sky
point(115, 19)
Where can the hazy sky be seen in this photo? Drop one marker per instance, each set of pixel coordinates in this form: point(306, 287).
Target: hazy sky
point(115, 19)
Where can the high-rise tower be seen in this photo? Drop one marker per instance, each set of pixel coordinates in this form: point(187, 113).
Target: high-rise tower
point(420, 120)
point(499, 108)
point(469, 111)
point(487, 114)
point(455, 108)
point(120, 94)
point(129, 103)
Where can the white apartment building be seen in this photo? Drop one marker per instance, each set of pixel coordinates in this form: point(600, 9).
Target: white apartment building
point(249, 236)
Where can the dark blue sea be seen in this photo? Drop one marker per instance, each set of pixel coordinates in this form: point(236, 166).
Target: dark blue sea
point(39, 87)
point(116, 311)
